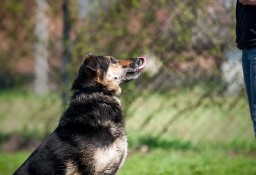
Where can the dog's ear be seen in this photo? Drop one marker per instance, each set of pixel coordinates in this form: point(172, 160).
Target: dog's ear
point(91, 63)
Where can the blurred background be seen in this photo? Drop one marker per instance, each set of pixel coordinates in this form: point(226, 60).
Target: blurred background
point(187, 114)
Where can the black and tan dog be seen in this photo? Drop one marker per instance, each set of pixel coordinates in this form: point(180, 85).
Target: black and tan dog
point(90, 138)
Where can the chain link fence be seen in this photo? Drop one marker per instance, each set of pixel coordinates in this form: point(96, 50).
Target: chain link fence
point(192, 88)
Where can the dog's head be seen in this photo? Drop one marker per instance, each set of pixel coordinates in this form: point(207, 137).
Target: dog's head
point(108, 72)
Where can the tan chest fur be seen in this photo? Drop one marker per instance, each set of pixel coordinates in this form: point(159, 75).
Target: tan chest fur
point(71, 169)
point(106, 159)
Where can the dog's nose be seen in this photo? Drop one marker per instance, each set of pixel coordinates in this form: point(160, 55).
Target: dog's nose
point(135, 63)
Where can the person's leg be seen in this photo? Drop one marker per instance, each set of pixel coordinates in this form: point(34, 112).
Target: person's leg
point(252, 57)
point(249, 71)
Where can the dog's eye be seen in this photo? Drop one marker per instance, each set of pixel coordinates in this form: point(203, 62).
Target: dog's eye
point(113, 60)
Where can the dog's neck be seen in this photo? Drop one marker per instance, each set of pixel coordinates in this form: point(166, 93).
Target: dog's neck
point(91, 88)
point(93, 94)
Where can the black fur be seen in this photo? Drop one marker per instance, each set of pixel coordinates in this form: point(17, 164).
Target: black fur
point(93, 120)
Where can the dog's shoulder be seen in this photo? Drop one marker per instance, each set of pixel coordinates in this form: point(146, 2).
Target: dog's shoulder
point(92, 114)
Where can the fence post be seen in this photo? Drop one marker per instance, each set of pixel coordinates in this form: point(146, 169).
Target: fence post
point(66, 55)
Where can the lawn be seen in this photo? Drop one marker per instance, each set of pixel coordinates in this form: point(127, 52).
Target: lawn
point(10, 161)
point(185, 134)
point(205, 161)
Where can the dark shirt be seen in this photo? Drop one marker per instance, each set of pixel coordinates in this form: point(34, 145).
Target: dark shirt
point(245, 26)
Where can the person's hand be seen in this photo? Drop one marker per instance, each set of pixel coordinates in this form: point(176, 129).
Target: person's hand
point(248, 2)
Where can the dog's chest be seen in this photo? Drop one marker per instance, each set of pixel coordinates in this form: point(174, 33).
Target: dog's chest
point(109, 159)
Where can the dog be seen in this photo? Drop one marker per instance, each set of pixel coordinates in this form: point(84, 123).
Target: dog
point(90, 138)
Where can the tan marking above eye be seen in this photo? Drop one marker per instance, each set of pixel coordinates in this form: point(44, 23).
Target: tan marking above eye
point(125, 62)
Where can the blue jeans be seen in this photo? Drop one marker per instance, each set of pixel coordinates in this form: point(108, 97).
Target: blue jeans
point(249, 70)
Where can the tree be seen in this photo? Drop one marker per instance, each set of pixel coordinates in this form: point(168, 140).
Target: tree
point(41, 51)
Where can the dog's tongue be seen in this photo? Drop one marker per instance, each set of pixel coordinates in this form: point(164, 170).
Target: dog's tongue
point(143, 62)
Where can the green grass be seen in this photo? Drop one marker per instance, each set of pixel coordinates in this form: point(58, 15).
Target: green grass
point(177, 114)
point(214, 162)
point(9, 162)
point(26, 112)
point(201, 161)
point(185, 133)
point(190, 115)
point(176, 157)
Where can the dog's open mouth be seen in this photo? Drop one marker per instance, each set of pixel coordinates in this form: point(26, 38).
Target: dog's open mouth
point(142, 63)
